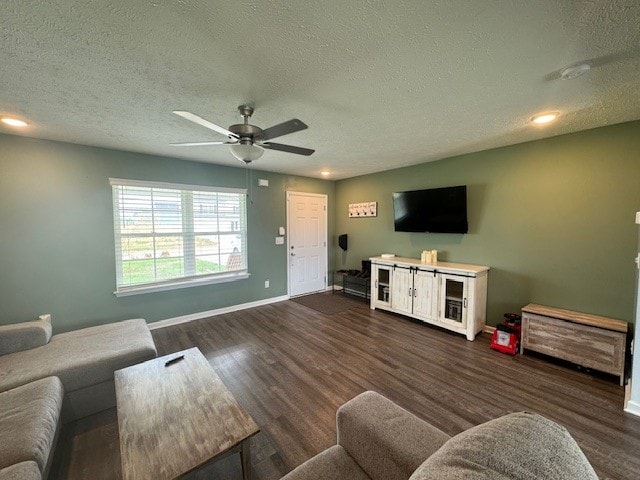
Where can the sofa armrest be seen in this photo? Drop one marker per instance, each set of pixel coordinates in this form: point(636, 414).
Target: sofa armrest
point(24, 336)
point(384, 439)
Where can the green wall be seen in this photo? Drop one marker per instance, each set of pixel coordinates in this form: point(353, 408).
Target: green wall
point(554, 219)
point(56, 240)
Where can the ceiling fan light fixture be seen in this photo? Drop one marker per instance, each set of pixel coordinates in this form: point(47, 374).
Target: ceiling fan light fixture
point(246, 152)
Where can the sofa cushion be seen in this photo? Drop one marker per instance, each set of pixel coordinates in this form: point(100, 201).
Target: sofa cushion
point(334, 463)
point(387, 441)
point(82, 357)
point(21, 471)
point(25, 335)
point(29, 417)
point(518, 446)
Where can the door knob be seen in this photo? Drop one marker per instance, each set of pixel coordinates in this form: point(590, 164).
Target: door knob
point(293, 254)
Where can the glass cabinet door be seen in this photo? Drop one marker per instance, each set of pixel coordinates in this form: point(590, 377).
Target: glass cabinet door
point(453, 301)
point(380, 287)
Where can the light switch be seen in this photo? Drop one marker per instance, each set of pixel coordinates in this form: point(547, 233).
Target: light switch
point(281, 231)
point(279, 240)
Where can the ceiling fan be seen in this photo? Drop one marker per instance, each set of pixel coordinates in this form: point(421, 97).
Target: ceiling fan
point(247, 142)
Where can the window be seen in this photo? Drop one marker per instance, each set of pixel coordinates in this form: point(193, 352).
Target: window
point(172, 236)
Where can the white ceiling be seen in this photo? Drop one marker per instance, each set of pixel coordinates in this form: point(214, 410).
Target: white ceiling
point(381, 84)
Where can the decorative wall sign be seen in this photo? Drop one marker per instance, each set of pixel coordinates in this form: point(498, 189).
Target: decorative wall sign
point(366, 209)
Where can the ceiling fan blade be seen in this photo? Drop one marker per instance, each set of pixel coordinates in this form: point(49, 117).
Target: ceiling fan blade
point(287, 148)
point(285, 128)
point(205, 123)
point(199, 144)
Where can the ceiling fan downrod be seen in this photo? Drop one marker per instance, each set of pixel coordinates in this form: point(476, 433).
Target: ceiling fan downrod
point(245, 112)
point(246, 132)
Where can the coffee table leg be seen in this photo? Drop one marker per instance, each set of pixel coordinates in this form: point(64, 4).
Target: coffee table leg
point(245, 454)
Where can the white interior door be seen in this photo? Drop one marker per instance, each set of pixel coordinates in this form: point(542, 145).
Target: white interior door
point(307, 242)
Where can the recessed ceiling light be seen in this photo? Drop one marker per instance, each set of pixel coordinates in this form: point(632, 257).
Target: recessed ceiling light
point(575, 71)
point(325, 173)
point(14, 122)
point(543, 118)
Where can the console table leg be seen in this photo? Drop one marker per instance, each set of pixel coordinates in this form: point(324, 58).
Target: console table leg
point(245, 454)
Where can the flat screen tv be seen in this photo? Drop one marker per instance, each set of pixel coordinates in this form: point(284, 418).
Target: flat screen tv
point(436, 210)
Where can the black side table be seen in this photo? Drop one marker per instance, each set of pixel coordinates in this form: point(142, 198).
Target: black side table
point(353, 285)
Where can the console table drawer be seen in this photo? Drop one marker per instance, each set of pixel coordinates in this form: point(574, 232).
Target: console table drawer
point(585, 345)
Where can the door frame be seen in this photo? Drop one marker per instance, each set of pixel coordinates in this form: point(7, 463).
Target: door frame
point(289, 194)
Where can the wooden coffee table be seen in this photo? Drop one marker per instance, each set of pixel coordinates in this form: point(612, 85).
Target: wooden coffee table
point(175, 418)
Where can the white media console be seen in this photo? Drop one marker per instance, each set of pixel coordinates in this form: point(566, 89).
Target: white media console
point(449, 295)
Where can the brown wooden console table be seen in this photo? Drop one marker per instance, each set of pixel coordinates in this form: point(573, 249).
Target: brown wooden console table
point(588, 340)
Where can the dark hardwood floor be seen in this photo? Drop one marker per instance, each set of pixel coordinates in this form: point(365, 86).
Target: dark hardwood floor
point(292, 367)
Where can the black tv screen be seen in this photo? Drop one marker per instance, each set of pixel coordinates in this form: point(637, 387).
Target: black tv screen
point(436, 210)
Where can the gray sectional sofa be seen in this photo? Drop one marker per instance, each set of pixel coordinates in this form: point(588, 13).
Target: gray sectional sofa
point(378, 440)
point(46, 380)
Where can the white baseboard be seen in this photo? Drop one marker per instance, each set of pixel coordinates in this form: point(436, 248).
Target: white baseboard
point(633, 407)
point(212, 313)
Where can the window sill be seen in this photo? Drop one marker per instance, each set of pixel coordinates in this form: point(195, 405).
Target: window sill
point(177, 284)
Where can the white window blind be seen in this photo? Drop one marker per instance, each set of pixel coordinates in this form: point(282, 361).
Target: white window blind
point(171, 234)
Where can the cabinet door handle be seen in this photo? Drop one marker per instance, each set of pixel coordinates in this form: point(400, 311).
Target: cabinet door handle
point(410, 292)
point(465, 303)
point(376, 283)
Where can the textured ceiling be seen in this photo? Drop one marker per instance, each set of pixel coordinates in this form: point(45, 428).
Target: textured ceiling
point(381, 84)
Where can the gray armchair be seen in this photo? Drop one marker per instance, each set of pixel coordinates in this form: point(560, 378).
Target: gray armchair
point(378, 440)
